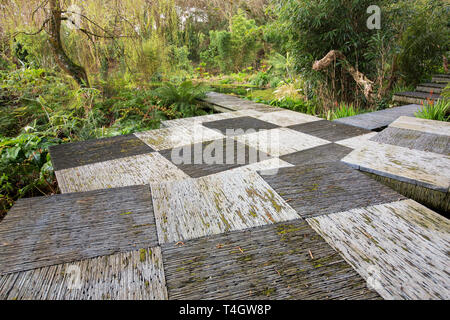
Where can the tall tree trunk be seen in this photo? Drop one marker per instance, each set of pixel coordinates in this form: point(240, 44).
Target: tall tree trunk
point(63, 61)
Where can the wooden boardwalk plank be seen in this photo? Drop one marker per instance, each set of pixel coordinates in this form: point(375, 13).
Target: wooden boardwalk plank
point(134, 275)
point(281, 261)
point(215, 204)
point(401, 248)
point(76, 154)
point(52, 230)
point(427, 169)
point(135, 170)
point(379, 119)
point(324, 188)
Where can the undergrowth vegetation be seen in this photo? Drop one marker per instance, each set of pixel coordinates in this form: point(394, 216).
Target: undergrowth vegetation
point(39, 108)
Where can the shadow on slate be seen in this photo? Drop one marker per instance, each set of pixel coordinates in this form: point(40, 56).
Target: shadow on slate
point(195, 153)
point(325, 153)
point(328, 130)
point(413, 139)
point(46, 231)
point(241, 123)
point(76, 154)
point(324, 188)
point(269, 262)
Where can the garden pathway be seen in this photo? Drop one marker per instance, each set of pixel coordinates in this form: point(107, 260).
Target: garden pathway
point(249, 204)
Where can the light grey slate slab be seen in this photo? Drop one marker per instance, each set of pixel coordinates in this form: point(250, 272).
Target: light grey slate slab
point(326, 153)
point(281, 261)
point(401, 248)
point(324, 188)
point(133, 275)
point(379, 119)
point(45, 231)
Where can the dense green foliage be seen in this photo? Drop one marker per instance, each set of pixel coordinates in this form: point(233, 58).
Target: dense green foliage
point(438, 110)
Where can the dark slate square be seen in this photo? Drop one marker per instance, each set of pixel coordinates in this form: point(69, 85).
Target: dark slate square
point(331, 131)
point(325, 153)
point(324, 188)
point(413, 139)
point(46, 231)
point(198, 160)
point(281, 261)
point(76, 154)
point(240, 125)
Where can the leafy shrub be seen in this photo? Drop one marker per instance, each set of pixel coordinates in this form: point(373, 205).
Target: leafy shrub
point(439, 110)
point(344, 110)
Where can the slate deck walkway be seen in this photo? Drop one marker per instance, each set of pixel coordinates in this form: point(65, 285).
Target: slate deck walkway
point(281, 217)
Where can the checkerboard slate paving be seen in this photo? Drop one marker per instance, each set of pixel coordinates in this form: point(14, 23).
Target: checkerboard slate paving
point(328, 130)
point(324, 188)
point(295, 223)
point(280, 261)
point(52, 230)
point(201, 159)
point(215, 204)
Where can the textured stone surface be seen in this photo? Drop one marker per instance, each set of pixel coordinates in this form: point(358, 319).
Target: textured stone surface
point(331, 131)
point(45, 231)
point(281, 261)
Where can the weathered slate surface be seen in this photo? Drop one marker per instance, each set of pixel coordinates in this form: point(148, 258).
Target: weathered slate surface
point(86, 152)
point(52, 230)
point(280, 141)
point(325, 188)
point(325, 153)
point(431, 87)
point(328, 130)
point(178, 136)
point(414, 139)
point(211, 157)
point(287, 118)
point(356, 142)
point(423, 125)
point(418, 95)
point(215, 204)
point(237, 126)
point(134, 275)
point(281, 261)
point(379, 119)
point(402, 248)
point(427, 169)
point(136, 170)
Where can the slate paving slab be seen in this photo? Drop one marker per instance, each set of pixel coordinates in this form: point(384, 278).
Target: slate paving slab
point(201, 159)
point(328, 130)
point(91, 151)
point(44, 231)
point(280, 261)
point(325, 153)
point(401, 247)
point(237, 126)
point(324, 188)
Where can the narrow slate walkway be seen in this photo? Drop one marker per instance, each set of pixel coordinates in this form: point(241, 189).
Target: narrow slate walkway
point(425, 91)
point(249, 204)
